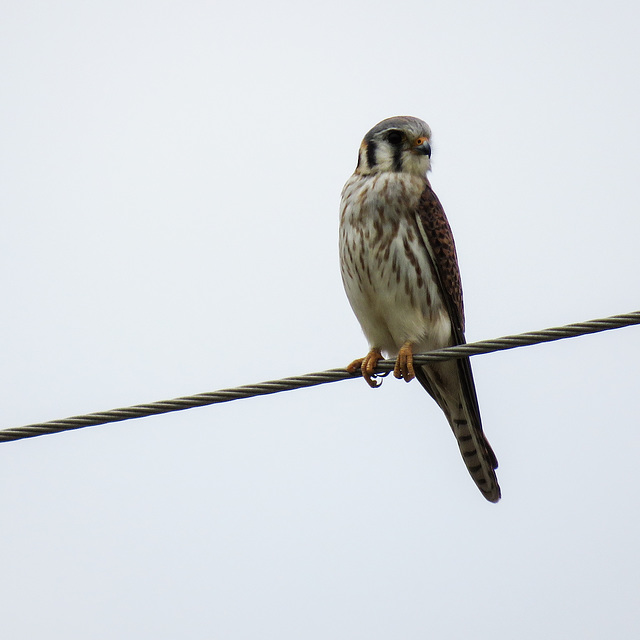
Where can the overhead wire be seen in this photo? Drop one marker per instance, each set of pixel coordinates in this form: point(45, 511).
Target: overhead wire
point(313, 379)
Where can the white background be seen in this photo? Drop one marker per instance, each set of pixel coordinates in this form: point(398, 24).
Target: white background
point(170, 177)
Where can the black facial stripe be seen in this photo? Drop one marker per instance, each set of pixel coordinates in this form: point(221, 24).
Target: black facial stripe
point(395, 137)
point(371, 154)
point(397, 158)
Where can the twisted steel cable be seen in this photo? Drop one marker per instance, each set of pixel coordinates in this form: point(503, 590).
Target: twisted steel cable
point(313, 379)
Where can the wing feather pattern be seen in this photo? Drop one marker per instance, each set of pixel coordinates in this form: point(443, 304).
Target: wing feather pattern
point(464, 415)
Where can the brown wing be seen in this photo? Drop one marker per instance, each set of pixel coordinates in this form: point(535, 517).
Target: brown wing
point(442, 250)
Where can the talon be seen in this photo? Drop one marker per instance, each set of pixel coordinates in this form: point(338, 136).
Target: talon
point(404, 363)
point(367, 366)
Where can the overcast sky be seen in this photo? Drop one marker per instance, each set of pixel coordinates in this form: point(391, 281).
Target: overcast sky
point(170, 174)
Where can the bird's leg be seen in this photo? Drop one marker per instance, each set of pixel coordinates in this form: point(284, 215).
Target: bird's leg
point(404, 363)
point(367, 366)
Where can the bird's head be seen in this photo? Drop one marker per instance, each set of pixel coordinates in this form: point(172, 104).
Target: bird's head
point(398, 144)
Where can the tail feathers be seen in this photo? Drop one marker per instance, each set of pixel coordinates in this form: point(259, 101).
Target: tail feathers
point(478, 457)
point(451, 386)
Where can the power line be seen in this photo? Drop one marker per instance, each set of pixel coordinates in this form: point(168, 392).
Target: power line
point(313, 379)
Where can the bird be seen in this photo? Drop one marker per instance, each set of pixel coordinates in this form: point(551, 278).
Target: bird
point(400, 272)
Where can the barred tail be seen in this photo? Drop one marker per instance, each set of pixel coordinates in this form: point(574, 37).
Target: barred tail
point(478, 456)
point(451, 386)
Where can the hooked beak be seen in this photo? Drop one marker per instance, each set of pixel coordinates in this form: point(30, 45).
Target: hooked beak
point(423, 147)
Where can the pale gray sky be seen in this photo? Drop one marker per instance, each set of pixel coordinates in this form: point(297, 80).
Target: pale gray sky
point(169, 183)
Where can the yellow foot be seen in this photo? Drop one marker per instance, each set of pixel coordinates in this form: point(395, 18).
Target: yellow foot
point(404, 363)
point(367, 366)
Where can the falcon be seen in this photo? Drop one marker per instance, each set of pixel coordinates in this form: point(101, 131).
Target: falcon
point(400, 272)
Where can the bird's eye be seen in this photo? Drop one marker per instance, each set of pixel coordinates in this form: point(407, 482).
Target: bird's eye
point(395, 137)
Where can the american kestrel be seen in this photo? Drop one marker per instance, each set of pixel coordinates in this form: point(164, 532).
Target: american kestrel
point(400, 271)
